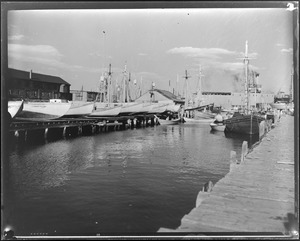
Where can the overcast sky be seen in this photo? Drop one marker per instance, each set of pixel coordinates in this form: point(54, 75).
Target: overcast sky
point(157, 45)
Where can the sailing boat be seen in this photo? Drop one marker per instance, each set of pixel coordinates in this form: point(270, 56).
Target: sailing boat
point(105, 108)
point(198, 114)
point(246, 122)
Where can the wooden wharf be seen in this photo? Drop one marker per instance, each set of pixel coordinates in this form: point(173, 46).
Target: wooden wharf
point(21, 129)
point(258, 193)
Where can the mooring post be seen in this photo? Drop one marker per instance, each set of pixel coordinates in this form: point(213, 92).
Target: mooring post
point(261, 129)
point(204, 193)
point(116, 126)
point(25, 135)
point(64, 132)
point(152, 121)
point(244, 150)
point(46, 134)
point(79, 130)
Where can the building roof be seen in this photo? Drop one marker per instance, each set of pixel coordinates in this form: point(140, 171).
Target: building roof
point(169, 95)
point(25, 75)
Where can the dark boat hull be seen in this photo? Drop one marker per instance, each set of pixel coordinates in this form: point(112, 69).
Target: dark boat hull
point(244, 124)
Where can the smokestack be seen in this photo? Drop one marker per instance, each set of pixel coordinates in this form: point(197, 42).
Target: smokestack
point(30, 74)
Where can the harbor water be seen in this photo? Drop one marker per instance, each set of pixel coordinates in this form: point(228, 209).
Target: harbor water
point(122, 182)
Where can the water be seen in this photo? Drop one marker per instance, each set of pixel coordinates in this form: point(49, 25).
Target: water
point(132, 181)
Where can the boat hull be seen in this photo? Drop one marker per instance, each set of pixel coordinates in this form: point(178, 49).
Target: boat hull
point(80, 109)
point(135, 108)
point(193, 120)
point(44, 110)
point(217, 127)
point(168, 122)
point(278, 106)
point(106, 111)
point(15, 107)
point(244, 124)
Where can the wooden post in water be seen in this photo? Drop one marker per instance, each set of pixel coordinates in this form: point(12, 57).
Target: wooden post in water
point(152, 121)
point(79, 130)
point(25, 135)
point(46, 134)
point(17, 134)
point(64, 132)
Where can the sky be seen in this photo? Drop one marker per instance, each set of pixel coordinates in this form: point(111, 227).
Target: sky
point(156, 45)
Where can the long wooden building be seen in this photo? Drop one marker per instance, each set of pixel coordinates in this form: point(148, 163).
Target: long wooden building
point(34, 86)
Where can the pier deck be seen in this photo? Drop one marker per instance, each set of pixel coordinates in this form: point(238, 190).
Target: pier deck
point(257, 195)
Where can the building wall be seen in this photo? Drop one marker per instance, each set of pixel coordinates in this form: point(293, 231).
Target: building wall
point(31, 89)
point(79, 95)
point(238, 99)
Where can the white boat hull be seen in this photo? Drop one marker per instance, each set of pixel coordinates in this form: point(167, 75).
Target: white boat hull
point(168, 122)
point(106, 111)
point(44, 110)
point(80, 109)
point(193, 120)
point(135, 108)
point(278, 106)
point(15, 107)
point(217, 127)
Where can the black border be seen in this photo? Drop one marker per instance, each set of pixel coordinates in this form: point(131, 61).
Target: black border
point(40, 5)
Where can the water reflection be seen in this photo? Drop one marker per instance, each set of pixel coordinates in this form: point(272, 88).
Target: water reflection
point(131, 181)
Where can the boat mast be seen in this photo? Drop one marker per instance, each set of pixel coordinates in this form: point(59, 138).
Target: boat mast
point(199, 89)
point(109, 84)
point(246, 61)
point(124, 84)
point(186, 91)
point(291, 86)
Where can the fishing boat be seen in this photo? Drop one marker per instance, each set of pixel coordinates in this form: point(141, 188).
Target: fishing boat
point(80, 108)
point(197, 111)
point(52, 109)
point(105, 110)
point(15, 107)
point(167, 121)
point(245, 122)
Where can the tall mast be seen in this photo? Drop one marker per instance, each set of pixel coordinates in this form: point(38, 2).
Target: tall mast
point(109, 84)
point(186, 91)
point(199, 89)
point(124, 84)
point(246, 61)
point(291, 86)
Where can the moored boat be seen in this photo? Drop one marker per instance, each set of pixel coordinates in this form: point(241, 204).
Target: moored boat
point(53, 109)
point(102, 109)
point(80, 108)
point(132, 108)
point(194, 120)
point(245, 122)
point(279, 105)
point(168, 121)
point(217, 126)
point(15, 107)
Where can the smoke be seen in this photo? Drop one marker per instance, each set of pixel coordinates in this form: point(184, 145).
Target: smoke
point(222, 80)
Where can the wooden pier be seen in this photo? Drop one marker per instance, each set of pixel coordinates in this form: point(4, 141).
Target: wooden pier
point(25, 129)
point(257, 195)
